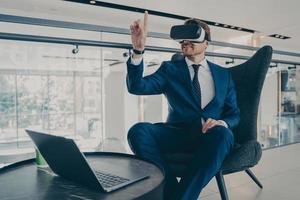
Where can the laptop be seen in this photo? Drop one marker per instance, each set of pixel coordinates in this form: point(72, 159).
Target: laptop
point(65, 159)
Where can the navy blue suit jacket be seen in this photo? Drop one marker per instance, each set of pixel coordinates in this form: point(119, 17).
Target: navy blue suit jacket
point(173, 80)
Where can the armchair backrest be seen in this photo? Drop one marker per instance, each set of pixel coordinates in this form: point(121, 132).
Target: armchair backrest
point(249, 78)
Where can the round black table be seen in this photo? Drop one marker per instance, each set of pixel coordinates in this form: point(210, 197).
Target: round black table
point(24, 180)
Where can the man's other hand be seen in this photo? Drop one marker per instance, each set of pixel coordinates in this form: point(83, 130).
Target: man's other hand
point(211, 123)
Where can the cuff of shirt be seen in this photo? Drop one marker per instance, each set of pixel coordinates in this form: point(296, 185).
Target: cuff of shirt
point(136, 61)
point(223, 123)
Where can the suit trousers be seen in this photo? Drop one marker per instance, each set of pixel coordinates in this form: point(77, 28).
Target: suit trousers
point(153, 141)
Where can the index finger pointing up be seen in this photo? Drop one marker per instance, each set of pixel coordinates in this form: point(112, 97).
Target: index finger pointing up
point(146, 21)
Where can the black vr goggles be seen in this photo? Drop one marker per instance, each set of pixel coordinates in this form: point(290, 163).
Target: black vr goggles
point(187, 32)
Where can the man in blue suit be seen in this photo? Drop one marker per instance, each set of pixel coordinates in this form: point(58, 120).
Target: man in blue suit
point(202, 112)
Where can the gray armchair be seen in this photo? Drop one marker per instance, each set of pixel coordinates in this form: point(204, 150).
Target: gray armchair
point(249, 78)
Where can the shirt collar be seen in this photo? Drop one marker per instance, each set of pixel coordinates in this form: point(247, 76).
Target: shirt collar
point(202, 63)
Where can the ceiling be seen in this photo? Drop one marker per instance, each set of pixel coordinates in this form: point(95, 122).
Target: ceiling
point(266, 17)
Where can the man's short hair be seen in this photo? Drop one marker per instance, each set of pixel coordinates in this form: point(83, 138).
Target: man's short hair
point(198, 22)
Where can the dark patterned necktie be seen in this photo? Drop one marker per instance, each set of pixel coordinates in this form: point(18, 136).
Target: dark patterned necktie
point(196, 83)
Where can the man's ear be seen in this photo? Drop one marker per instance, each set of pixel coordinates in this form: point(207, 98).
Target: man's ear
point(206, 44)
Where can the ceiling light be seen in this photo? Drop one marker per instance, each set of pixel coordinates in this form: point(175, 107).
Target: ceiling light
point(278, 36)
point(92, 2)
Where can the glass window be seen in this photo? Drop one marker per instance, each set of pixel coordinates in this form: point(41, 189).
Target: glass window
point(8, 134)
point(47, 87)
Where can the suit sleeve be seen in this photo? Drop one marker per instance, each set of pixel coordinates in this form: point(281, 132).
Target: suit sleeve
point(148, 85)
point(231, 112)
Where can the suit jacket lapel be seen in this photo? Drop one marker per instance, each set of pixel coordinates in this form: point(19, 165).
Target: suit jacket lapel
point(186, 78)
point(185, 74)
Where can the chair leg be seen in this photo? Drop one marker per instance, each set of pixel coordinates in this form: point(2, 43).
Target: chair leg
point(253, 177)
point(221, 186)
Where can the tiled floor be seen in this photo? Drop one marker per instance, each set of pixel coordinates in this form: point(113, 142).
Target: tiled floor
point(278, 171)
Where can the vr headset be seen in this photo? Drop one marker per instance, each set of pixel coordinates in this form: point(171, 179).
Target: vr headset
point(188, 32)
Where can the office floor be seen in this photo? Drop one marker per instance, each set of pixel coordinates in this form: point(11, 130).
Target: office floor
point(278, 171)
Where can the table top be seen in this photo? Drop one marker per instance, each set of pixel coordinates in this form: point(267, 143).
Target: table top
point(24, 180)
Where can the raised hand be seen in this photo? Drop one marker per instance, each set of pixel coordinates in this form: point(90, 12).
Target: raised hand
point(139, 32)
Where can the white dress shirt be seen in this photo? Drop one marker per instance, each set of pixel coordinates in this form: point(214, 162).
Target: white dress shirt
point(207, 85)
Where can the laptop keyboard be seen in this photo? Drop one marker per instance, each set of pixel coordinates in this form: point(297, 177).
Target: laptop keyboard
point(109, 180)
